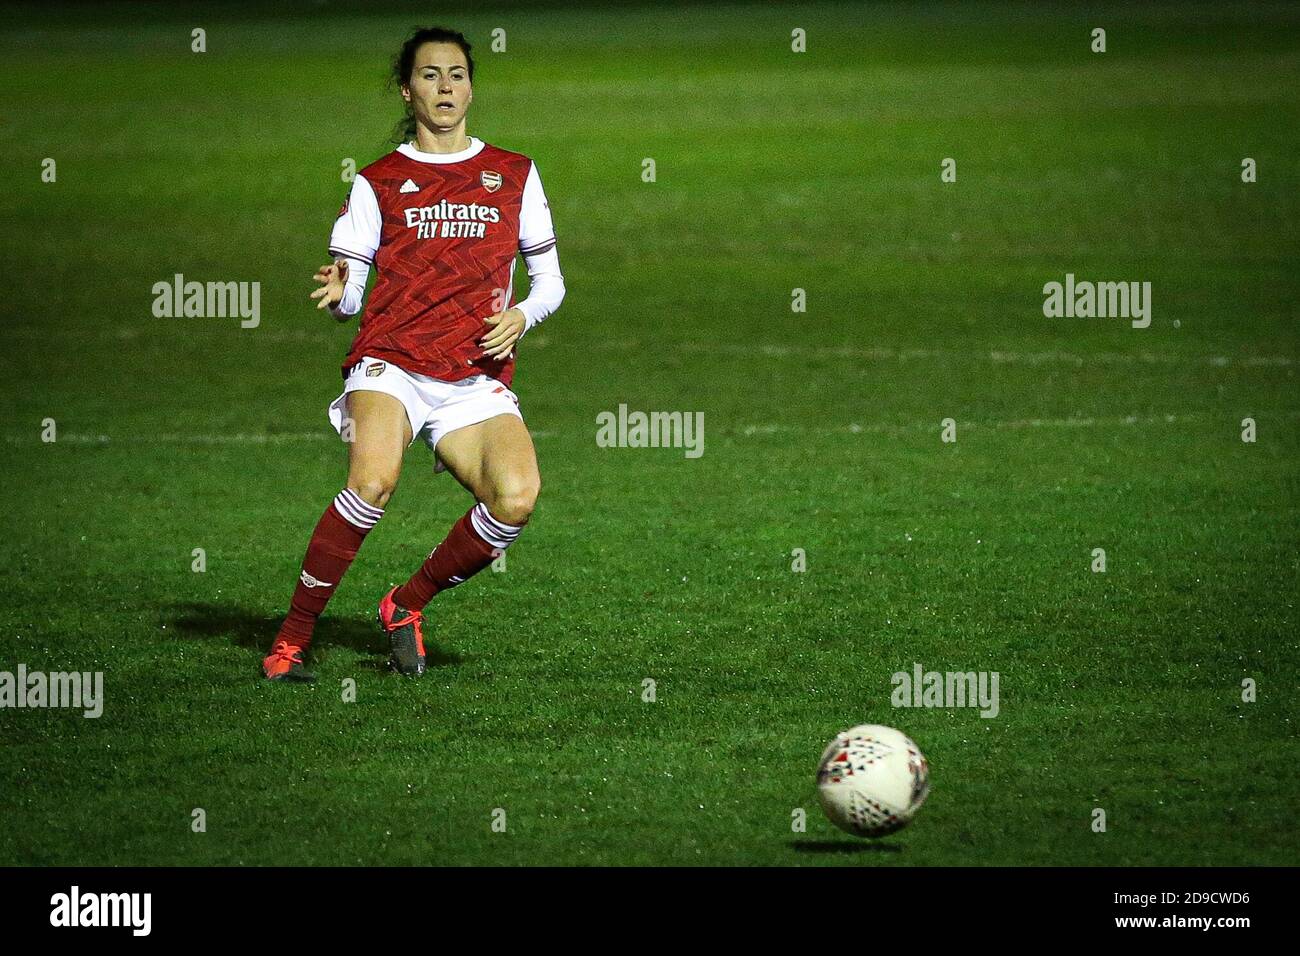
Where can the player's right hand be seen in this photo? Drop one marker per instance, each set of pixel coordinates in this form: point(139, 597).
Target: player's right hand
point(332, 279)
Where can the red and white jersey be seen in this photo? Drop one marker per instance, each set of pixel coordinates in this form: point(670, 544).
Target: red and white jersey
point(442, 231)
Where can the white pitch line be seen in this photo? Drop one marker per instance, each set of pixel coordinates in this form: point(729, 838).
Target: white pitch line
point(769, 428)
point(238, 438)
point(855, 428)
point(996, 356)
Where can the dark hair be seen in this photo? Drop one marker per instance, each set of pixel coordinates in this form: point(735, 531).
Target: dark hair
point(404, 64)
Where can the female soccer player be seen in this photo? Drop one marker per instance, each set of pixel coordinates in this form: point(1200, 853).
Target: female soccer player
point(441, 219)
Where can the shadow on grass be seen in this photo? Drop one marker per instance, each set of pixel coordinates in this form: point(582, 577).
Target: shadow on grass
point(245, 628)
point(843, 846)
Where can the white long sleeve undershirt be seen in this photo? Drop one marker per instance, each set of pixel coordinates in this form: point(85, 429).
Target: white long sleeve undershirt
point(354, 291)
point(545, 287)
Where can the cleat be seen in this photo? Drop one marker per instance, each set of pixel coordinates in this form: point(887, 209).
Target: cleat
point(285, 663)
point(405, 637)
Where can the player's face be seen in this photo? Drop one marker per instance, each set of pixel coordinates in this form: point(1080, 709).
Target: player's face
point(439, 89)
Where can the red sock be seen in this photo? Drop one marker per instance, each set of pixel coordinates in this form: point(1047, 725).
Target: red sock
point(471, 545)
point(334, 544)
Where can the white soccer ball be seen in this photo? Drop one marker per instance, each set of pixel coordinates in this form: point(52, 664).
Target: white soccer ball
point(872, 780)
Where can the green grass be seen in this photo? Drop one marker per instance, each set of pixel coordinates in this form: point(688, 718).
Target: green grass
point(819, 171)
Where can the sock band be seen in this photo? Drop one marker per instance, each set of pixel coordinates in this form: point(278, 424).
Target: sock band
point(355, 511)
point(494, 532)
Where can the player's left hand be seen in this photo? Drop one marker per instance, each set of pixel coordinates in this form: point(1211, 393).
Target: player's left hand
point(508, 326)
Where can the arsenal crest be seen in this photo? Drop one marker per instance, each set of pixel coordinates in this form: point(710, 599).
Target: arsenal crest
point(491, 180)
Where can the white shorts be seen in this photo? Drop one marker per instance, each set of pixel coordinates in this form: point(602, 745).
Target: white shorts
point(433, 407)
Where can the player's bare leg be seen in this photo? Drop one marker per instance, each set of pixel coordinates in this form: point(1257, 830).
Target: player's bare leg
point(382, 432)
point(378, 431)
point(496, 462)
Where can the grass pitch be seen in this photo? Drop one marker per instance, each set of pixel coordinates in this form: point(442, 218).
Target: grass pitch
point(819, 171)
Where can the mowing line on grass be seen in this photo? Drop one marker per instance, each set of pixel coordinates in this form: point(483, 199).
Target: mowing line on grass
point(769, 428)
point(996, 356)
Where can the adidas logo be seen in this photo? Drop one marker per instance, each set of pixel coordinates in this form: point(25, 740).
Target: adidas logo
point(409, 187)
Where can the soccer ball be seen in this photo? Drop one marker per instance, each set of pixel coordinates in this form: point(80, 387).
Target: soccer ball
point(872, 780)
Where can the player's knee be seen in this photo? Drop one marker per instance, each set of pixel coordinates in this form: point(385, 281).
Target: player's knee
point(513, 501)
point(374, 489)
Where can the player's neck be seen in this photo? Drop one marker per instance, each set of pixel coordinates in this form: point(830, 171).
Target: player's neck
point(441, 140)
